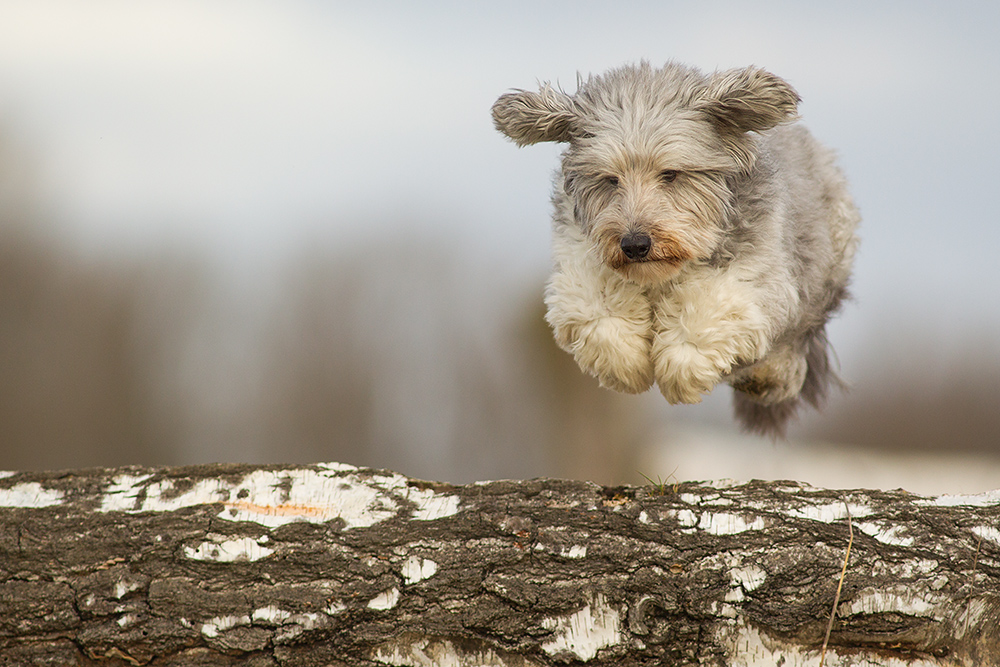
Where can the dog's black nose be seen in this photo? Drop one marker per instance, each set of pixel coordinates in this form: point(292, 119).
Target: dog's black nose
point(636, 245)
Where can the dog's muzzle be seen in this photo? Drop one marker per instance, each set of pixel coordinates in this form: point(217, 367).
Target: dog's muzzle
point(636, 245)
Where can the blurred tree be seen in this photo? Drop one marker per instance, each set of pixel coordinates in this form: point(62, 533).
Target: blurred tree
point(951, 407)
point(318, 368)
point(73, 384)
point(72, 388)
point(592, 433)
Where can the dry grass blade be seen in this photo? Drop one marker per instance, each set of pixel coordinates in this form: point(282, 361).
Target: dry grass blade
point(972, 585)
point(840, 586)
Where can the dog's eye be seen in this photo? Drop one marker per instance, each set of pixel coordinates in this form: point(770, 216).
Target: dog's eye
point(668, 175)
point(611, 180)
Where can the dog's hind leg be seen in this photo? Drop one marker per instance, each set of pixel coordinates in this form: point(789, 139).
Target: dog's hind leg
point(758, 401)
point(776, 378)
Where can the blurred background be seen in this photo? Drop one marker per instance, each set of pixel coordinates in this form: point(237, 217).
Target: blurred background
point(287, 232)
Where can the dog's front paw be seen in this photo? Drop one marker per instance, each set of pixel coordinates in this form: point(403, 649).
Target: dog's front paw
point(684, 373)
point(603, 321)
point(613, 349)
point(688, 367)
point(703, 332)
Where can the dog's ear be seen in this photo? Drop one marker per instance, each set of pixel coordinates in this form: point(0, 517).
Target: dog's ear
point(750, 99)
point(746, 100)
point(527, 117)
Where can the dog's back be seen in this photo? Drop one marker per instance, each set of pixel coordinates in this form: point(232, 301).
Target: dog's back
point(817, 219)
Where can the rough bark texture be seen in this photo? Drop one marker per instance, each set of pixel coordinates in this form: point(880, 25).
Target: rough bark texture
point(333, 565)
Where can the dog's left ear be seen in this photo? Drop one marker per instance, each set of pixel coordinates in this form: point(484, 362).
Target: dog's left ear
point(528, 117)
point(746, 100)
point(750, 99)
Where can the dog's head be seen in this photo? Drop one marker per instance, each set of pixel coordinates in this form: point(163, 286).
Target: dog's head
point(650, 154)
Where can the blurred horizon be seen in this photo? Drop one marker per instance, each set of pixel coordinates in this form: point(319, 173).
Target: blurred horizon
point(288, 232)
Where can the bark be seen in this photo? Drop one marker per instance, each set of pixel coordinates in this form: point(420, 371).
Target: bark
point(328, 564)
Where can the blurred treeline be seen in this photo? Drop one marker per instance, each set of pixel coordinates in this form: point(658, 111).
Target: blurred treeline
point(403, 362)
point(413, 362)
point(113, 364)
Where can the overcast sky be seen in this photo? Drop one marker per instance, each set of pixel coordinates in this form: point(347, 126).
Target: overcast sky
point(247, 129)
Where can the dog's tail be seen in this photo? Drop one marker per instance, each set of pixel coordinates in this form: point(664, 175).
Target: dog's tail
point(772, 420)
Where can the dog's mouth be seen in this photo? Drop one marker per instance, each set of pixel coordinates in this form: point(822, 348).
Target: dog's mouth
point(669, 259)
point(661, 258)
point(650, 270)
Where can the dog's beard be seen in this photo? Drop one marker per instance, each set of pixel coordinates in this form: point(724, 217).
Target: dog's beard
point(667, 255)
point(672, 246)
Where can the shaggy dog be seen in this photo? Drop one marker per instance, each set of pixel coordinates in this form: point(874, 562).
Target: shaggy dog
point(700, 235)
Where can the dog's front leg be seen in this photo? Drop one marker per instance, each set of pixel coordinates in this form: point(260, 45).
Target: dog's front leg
point(705, 326)
point(604, 321)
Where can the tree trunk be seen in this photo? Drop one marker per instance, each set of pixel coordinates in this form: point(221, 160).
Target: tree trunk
point(328, 564)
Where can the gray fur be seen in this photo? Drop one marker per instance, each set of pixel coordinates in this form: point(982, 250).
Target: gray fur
point(751, 228)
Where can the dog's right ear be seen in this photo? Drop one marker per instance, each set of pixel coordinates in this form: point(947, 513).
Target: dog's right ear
point(527, 117)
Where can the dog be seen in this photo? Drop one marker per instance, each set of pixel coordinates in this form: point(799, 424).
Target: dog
point(700, 235)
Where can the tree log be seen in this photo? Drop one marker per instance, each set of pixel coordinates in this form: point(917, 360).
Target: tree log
point(328, 564)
